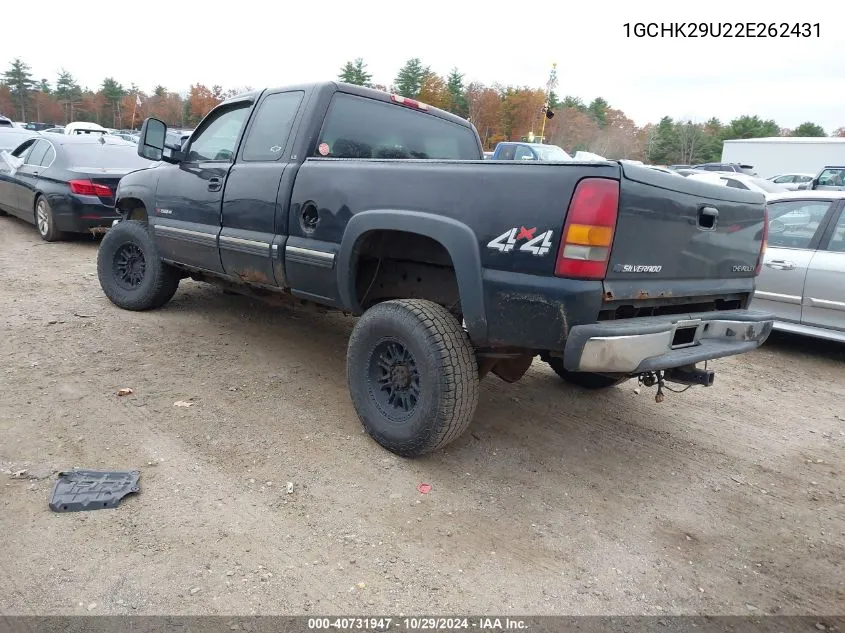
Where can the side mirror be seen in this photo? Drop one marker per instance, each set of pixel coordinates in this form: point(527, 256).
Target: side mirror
point(151, 143)
point(814, 183)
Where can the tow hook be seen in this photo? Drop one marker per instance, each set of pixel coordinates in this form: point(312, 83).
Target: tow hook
point(687, 375)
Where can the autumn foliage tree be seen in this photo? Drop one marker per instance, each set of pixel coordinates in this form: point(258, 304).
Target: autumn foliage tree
point(200, 102)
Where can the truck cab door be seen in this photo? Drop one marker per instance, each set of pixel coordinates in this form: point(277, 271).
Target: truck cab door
point(824, 289)
point(795, 229)
point(255, 203)
point(189, 198)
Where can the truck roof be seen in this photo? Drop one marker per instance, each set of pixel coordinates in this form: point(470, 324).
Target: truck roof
point(353, 89)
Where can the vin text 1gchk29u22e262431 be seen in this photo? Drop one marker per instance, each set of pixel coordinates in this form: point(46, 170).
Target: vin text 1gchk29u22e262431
point(722, 29)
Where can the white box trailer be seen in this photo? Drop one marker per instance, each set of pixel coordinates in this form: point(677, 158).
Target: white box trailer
point(785, 154)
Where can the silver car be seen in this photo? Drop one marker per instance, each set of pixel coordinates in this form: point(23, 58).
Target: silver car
point(791, 181)
point(803, 277)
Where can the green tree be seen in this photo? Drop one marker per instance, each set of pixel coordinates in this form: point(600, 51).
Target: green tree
point(554, 102)
point(20, 83)
point(711, 143)
point(574, 102)
point(160, 91)
point(663, 144)
point(114, 93)
point(411, 77)
point(457, 94)
point(750, 127)
point(68, 93)
point(44, 86)
point(808, 129)
point(355, 72)
point(598, 109)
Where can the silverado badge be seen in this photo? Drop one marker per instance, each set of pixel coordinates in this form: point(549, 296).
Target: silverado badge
point(636, 268)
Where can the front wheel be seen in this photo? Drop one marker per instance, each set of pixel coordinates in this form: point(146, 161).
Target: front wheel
point(582, 379)
point(131, 273)
point(412, 375)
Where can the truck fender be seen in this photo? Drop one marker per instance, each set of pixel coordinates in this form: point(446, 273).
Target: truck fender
point(136, 189)
point(457, 238)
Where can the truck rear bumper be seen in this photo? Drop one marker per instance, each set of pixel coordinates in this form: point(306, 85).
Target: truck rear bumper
point(633, 346)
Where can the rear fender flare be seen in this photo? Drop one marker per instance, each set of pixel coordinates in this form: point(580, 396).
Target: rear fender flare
point(457, 238)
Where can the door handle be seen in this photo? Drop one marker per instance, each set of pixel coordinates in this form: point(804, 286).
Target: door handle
point(780, 264)
point(215, 183)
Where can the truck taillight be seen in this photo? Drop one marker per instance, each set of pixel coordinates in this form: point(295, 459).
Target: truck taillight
point(588, 231)
point(411, 103)
point(88, 188)
point(763, 242)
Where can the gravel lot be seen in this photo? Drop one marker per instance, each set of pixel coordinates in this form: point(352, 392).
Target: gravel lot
point(725, 500)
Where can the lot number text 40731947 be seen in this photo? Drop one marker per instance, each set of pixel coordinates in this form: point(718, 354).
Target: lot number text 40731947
point(722, 29)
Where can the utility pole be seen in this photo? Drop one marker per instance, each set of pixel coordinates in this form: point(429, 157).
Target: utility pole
point(547, 112)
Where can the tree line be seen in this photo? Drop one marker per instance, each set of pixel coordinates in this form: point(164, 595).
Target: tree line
point(113, 105)
point(499, 112)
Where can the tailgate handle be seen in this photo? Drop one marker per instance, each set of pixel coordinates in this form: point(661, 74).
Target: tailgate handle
point(707, 217)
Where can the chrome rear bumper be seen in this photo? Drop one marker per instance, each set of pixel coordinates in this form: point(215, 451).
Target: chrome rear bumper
point(633, 346)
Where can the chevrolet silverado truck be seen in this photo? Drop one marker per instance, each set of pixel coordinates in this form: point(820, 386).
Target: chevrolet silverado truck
point(456, 267)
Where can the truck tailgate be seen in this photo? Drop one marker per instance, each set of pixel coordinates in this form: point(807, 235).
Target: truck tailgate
point(672, 228)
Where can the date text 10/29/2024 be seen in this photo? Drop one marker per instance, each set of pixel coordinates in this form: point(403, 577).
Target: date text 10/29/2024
point(722, 29)
point(417, 624)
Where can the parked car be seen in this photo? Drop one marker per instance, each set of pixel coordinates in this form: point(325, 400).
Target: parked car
point(665, 170)
point(458, 267)
point(791, 182)
point(831, 177)
point(6, 122)
point(65, 183)
point(11, 137)
point(529, 151)
point(132, 138)
point(803, 278)
point(84, 127)
point(37, 126)
point(735, 167)
point(738, 181)
point(54, 130)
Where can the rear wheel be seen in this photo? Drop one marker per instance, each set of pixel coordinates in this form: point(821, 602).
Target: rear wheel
point(131, 273)
point(582, 379)
point(45, 221)
point(412, 375)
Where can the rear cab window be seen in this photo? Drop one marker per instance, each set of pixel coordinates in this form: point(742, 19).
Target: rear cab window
point(359, 127)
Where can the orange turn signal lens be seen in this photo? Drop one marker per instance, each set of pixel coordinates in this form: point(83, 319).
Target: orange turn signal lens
point(589, 235)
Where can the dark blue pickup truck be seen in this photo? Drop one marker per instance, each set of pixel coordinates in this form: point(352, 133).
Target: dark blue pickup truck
point(383, 207)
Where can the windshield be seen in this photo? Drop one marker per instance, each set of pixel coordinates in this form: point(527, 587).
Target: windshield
point(552, 152)
point(99, 156)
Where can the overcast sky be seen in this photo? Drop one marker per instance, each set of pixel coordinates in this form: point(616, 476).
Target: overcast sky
point(253, 43)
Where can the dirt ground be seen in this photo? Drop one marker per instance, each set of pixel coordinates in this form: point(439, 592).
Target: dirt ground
point(727, 500)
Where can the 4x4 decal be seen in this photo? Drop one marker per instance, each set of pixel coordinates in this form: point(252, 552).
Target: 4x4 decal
point(539, 245)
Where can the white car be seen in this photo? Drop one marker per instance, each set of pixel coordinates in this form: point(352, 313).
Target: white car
point(84, 127)
point(791, 182)
point(665, 170)
point(737, 181)
point(792, 220)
